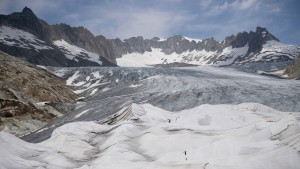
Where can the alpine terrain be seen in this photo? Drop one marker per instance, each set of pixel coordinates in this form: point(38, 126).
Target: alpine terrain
point(73, 100)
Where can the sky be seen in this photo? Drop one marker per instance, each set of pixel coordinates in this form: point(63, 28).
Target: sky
point(164, 18)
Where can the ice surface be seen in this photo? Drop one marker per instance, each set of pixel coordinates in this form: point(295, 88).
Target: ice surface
point(171, 89)
point(93, 91)
point(207, 136)
point(82, 113)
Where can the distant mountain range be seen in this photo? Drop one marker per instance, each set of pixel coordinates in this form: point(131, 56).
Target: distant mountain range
point(23, 34)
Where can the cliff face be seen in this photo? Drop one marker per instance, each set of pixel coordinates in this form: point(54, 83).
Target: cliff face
point(81, 37)
point(26, 94)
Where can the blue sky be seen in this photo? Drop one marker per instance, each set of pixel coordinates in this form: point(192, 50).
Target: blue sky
point(163, 18)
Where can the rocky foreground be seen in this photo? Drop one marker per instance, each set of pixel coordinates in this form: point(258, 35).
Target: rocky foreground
point(28, 95)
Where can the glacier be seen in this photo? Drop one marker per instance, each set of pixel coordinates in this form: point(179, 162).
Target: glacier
point(247, 135)
point(193, 117)
point(105, 91)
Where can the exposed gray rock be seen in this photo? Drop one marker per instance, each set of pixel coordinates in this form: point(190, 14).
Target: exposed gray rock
point(293, 69)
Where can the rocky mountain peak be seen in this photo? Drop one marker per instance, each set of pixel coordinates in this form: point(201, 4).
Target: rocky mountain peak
point(265, 34)
point(25, 20)
point(28, 12)
point(254, 40)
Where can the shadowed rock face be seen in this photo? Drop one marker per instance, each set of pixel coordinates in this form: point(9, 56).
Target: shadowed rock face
point(25, 20)
point(293, 69)
point(22, 87)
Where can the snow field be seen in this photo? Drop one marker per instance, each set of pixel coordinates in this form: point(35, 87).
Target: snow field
point(247, 135)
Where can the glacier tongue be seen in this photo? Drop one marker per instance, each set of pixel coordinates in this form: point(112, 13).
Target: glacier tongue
point(207, 136)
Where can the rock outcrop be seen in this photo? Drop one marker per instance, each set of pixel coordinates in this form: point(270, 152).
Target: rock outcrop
point(293, 69)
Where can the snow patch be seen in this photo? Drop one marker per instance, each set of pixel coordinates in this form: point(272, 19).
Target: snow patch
point(72, 51)
point(161, 39)
point(71, 79)
point(15, 37)
point(191, 39)
point(156, 56)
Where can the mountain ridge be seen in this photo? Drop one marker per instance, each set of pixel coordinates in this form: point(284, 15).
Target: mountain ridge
point(77, 46)
point(29, 22)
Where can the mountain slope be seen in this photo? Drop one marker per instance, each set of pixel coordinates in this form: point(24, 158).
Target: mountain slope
point(36, 38)
point(26, 95)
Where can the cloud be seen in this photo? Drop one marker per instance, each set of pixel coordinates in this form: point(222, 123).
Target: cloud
point(125, 21)
point(232, 6)
point(194, 18)
point(205, 3)
point(243, 4)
